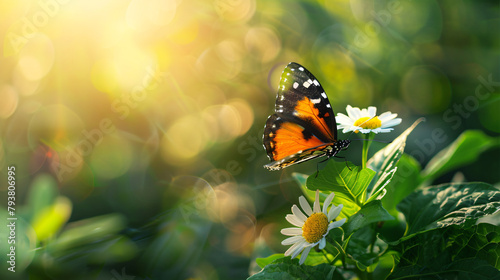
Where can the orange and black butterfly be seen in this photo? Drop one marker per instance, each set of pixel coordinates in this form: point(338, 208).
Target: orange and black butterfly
point(303, 126)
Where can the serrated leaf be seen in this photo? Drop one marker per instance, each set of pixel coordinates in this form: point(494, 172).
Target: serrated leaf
point(370, 213)
point(384, 161)
point(404, 182)
point(450, 253)
point(349, 185)
point(449, 204)
point(286, 268)
point(465, 149)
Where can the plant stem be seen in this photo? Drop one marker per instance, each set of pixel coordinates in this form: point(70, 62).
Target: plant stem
point(366, 146)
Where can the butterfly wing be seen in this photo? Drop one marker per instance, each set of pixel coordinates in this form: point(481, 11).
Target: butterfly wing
point(303, 126)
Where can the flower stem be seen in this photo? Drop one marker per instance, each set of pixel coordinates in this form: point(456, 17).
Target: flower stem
point(366, 146)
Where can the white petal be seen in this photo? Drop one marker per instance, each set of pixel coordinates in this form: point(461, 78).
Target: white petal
point(292, 219)
point(354, 113)
point(365, 131)
point(292, 240)
point(322, 243)
point(387, 116)
point(334, 212)
point(316, 203)
point(336, 224)
point(343, 119)
point(303, 257)
point(296, 211)
point(372, 111)
point(299, 248)
point(305, 205)
point(291, 231)
point(327, 202)
point(376, 130)
point(390, 123)
point(348, 129)
point(385, 130)
point(294, 247)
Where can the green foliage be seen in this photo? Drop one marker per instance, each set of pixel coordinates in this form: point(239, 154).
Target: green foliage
point(441, 239)
point(370, 213)
point(449, 204)
point(348, 183)
point(384, 161)
point(464, 150)
point(285, 268)
point(451, 253)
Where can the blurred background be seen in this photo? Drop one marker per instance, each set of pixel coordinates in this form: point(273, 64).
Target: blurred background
point(135, 127)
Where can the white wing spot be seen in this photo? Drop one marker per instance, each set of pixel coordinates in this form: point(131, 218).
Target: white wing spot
point(284, 80)
point(288, 74)
point(328, 106)
point(306, 84)
point(292, 69)
point(301, 68)
point(324, 95)
point(316, 83)
point(283, 87)
point(316, 101)
point(295, 85)
point(282, 97)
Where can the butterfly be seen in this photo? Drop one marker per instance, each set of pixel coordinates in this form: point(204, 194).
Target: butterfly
point(303, 126)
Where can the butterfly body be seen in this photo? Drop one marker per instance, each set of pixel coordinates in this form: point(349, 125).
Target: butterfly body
point(303, 126)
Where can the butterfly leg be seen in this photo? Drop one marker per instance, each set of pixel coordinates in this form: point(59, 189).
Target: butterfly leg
point(345, 162)
point(317, 166)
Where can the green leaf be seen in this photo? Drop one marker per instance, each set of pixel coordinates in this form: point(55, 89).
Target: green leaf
point(286, 268)
point(370, 213)
point(42, 194)
point(349, 185)
point(451, 253)
point(449, 204)
point(384, 161)
point(359, 249)
point(465, 149)
point(404, 182)
point(262, 262)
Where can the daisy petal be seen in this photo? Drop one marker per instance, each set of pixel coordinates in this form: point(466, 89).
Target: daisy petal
point(327, 202)
point(305, 205)
point(353, 113)
point(372, 111)
point(292, 240)
point(296, 211)
point(299, 248)
point(292, 219)
point(293, 248)
point(334, 212)
point(291, 231)
point(316, 203)
point(322, 243)
point(390, 123)
point(303, 257)
point(336, 224)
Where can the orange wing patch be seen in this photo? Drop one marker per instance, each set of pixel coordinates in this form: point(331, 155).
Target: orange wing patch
point(289, 139)
point(305, 110)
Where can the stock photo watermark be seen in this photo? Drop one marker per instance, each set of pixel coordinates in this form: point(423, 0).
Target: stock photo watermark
point(29, 25)
point(11, 219)
point(121, 106)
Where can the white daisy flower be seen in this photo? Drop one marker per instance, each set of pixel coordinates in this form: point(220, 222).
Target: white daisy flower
point(311, 229)
point(366, 120)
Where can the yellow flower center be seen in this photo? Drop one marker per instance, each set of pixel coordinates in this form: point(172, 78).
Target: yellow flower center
point(367, 123)
point(315, 227)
